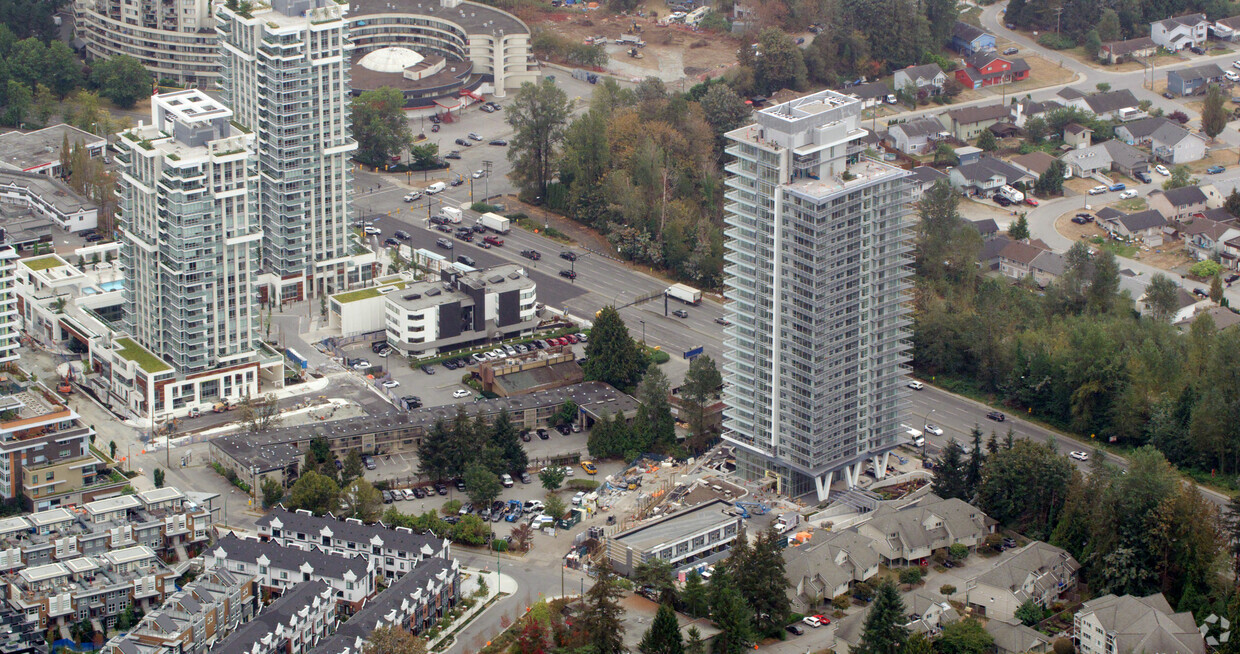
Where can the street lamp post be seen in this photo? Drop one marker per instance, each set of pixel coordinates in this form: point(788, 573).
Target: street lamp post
point(924, 440)
point(643, 322)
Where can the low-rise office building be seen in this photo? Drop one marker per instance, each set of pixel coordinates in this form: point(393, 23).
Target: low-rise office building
point(50, 198)
point(685, 539)
point(38, 151)
point(462, 308)
point(206, 610)
point(390, 552)
point(257, 457)
point(293, 624)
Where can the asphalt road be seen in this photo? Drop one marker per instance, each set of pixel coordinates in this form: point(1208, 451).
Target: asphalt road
point(957, 415)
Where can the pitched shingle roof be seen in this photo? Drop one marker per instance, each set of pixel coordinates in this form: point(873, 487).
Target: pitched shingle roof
point(976, 114)
point(280, 557)
point(923, 126)
point(1034, 162)
point(966, 32)
point(1105, 103)
point(924, 71)
point(1204, 71)
point(414, 587)
point(870, 91)
point(1038, 560)
point(1120, 48)
point(1184, 196)
point(927, 175)
point(1188, 20)
point(350, 530)
point(1145, 624)
point(279, 612)
point(985, 226)
point(986, 167)
point(1145, 127)
point(1022, 253)
point(1142, 220)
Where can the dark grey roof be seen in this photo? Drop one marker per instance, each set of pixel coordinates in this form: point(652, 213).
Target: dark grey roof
point(1050, 262)
point(926, 71)
point(870, 91)
point(376, 610)
point(967, 32)
point(1145, 127)
point(985, 167)
point(326, 565)
point(1135, 222)
point(278, 612)
point(927, 175)
point(1120, 48)
point(1204, 71)
point(1069, 93)
point(1033, 107)
point(593, 397)
point(473, 17)
point(351, 530)
point(1107, 213)
point(1105, 103)
point(1187, 19)
point(1185, 195)
point(977, 114)
point(991, 249)
point(1171, 134)
point(1123, 154)
point(985, 226)
point(922, 126)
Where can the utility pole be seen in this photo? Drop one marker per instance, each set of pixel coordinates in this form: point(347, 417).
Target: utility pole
point(486, 184)
point(1057, 14)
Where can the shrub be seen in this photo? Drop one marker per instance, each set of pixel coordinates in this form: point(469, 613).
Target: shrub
point(1064, 646)
point(947, 590)
point(841, 602)
point(499, 545)
point(1056, 41)
point(958, 551)
point(451, 507)
point(1204, 269)
point(911, 575)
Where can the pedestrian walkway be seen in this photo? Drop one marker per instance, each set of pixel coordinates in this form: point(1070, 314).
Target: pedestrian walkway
point(497, 585)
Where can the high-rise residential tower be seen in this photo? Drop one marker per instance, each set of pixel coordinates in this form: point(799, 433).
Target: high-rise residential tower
point(190, 235)
point(818, 253)
point(285, 73)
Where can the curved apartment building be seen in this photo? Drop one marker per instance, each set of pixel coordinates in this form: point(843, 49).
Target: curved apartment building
point(176, 39)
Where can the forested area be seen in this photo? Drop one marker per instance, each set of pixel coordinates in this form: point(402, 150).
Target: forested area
point(1112, 20)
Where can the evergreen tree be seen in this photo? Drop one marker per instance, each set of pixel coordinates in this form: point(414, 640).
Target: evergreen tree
point(1230, 520)
point(352, 467)
point(701, 386)
point(601, 619)
point(1019, 229)
point(654, 427)
point(763, 584)
point(611, 355)
point(732, 616)
point(506, 440)
point(1232, 205)
point(987, 141)
point(432, 452)
point(1213, 114)
point(1050, 182)
point(992, 444)
point(694, 599)
point(974, 475)
point(884, 631)
point(949, 473)
point(695, 645)
point(663, 636)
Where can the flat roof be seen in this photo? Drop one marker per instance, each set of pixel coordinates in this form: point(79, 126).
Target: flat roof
point(472, 17)
point(372, 292)
point(676, 526)
point(49, 189)
point(44, 572)
point(118, 503)
point(165, 494)
point(15, 523)
point(129, 349)
point(28, 150)
point(50, 517)
point(81, 564)
point(129, 554)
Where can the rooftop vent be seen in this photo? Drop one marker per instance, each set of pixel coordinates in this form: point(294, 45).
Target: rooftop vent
point(432, 292)
point(413, 296)
point(496, 279)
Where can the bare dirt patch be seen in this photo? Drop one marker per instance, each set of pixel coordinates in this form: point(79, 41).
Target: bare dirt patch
point(1220, 157)
point(1069, 229)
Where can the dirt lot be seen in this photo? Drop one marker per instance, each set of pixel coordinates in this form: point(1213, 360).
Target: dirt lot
point(983, 209)
point(1065, 226)
point(1167, 256)
point(671, 53)
point(1220, 157)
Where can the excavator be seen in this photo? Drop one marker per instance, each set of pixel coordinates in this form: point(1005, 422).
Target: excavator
point(65, 386)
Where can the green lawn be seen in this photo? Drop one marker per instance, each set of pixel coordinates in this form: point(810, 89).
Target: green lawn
point(139, 355)
point(362, 294)
point(42, 263)
point(1132, 205)
point(1115, 247)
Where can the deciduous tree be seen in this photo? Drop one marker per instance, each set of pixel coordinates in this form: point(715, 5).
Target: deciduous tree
point(390, 639)
point(964, 637)
point(122, 79)
point(361, 500)
point(315, 493)
point(380, 126)
point(481, 484)
point(273, 492)
point(1213, 114)
point(1161, 297)
point(538, 116)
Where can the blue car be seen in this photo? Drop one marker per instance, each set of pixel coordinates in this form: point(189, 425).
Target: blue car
point(1117, 187)
point(1214, 170)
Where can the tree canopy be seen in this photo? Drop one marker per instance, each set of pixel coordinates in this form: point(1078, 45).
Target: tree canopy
point(380, 126)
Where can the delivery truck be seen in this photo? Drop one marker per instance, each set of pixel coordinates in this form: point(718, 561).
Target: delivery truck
point(686, 294)
point(786, 522)
point(494, 222)
point(453, 214)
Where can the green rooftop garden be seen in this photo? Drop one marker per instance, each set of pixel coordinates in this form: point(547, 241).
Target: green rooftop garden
point(139, 355)
point(42, 263)
point(365, 293)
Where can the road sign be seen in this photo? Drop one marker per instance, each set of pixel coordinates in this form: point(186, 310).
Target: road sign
point(689, 354)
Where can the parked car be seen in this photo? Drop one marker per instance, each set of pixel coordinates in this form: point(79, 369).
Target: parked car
point(500, 142)
point(390, 242)
point(1162, 170)
point(459, 393)
point(1002, 201)
point(1143, 176)
point(795, 630)
point(811, 621)
point(1130, 193)
point(1197, 50)
point(1119, 186)
point(1079, 220)
point(1011, 51)
point(428, 370)
point(1098, 190)
point(1214, 170)
point(1031, 202)
point(473, 136)
point(455, 154)
point(391, 383)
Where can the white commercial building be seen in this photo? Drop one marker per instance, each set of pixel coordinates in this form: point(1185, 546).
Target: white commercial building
point(9, 337)
point(50, 198)
point(175, 41)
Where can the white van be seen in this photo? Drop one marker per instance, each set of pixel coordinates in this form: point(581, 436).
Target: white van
point(916, 437)
point(437, 187)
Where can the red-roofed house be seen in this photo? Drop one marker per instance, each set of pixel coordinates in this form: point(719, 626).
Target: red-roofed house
point(987, 69)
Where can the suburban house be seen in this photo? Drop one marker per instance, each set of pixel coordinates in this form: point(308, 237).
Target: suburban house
point(915, 532)
point(926, 77)
point(1041, 572)
point(1106, 105)
point(925, 177)
point(1204, 238)
point(1026, 109)
point(1078, 136)
point(929, 612)
point(1231, 253)
point(1175, 145)
point(969, 39)
point(826, 566)
point(1139, 132)
point(1012, 637)
point(1226, 29)
point(1145, 226)
point(1181, 203)
point(1223, 318)
point(987, 68)
point(1105, 157)
point(1111, 624)
point(987, 228)
point(1034, 163)
point(1180, 32)
point(967, 122)
point(1117, 52)
point(986, 175)
point(988, 256)
point(870, 94)
point(1018, 260)
point(917, 136)
point(1188, 81)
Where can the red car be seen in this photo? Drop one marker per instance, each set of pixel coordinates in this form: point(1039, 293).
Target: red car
point(494, 240)
point(572, 338)
point(1031, 202)
point(823, 619)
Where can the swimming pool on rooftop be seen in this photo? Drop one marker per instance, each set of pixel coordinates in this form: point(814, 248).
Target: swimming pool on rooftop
point(114, 285)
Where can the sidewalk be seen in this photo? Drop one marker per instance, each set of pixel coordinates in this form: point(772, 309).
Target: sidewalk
point(497, 584)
